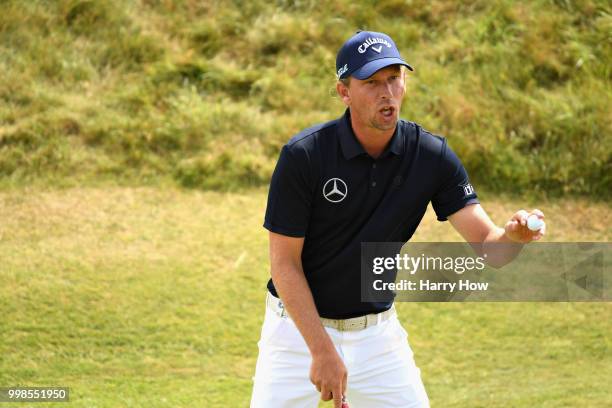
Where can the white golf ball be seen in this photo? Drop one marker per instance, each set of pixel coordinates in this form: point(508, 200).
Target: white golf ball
point(534, 223)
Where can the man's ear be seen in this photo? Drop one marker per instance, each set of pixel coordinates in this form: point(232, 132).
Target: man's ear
point(343, 93)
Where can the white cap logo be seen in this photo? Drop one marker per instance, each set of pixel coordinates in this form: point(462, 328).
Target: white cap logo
point(370, 42)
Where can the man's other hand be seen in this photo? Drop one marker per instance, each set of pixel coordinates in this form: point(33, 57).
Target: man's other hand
point(329, 375)
point(517, 230)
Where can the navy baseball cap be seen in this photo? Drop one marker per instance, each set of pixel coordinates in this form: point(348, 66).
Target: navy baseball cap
point(365, 53)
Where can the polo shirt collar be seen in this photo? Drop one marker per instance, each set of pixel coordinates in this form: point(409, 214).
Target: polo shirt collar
point(351, 146)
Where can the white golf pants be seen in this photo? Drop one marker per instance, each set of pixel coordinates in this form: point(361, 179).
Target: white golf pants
point(380, 364)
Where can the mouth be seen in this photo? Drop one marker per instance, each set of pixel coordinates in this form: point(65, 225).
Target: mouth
point(387, 111)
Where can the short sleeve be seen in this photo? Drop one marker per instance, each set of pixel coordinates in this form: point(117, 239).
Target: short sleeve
point(290, 195)
point(455, 190)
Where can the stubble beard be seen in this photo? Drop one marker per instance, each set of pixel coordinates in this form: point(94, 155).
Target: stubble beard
point(382, 126)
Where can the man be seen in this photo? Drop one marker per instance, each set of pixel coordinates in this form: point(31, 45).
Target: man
point(366, 177)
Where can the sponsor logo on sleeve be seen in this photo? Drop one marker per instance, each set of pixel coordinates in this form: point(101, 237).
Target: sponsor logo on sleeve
point(468, 189)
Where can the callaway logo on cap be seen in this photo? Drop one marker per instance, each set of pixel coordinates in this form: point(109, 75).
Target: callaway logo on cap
point(365, 53)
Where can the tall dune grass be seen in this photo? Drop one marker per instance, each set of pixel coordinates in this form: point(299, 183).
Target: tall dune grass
point(205, 93)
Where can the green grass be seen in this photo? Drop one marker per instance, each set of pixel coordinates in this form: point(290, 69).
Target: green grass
point(202, 94)
point(154, 297)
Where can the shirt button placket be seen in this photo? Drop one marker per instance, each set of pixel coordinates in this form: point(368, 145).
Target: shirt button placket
point(373, 176)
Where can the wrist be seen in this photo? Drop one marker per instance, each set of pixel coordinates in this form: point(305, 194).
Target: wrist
point(507, 238)
point(323, 348)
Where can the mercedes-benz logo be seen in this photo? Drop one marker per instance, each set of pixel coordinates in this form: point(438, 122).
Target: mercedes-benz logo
point(335, 190)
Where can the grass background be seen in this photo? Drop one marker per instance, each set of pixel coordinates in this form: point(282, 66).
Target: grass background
point(155, 297)
point(203, 93)
point(137, 138)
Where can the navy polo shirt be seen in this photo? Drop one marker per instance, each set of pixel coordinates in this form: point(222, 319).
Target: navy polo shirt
point(326, 188)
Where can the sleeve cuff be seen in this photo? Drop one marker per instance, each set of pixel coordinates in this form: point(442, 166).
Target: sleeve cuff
point(290, 232)
point(451, 209)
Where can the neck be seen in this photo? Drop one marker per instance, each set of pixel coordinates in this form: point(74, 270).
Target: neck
point(373, 140)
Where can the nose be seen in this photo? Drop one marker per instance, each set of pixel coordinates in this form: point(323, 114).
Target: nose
point(386, 91)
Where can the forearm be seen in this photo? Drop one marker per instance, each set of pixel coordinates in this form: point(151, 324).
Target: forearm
point(291, 285)
point(500, 249)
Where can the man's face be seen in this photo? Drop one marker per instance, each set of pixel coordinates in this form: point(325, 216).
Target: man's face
point(375, 102)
